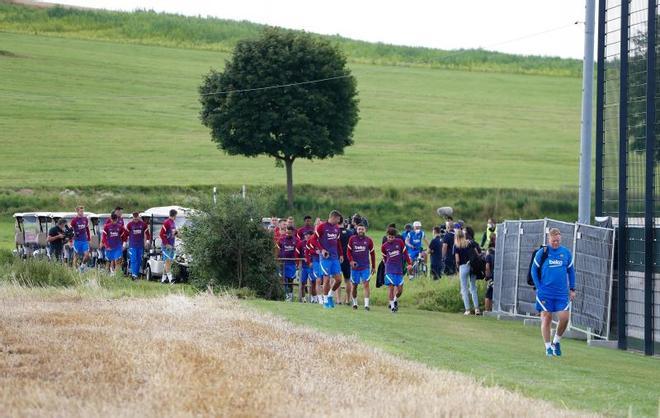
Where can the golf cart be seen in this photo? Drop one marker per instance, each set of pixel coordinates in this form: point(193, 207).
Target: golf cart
point(31, 234)
point(155, 265)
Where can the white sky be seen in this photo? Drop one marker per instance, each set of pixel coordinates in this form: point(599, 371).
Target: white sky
point(445, 24)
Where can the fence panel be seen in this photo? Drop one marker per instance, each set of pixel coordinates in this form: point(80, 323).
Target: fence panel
point(506, 277)
point(498, 268)
point(593, 256)
point(532, 235)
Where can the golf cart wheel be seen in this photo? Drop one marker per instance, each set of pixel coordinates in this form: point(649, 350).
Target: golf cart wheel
point(147, 273)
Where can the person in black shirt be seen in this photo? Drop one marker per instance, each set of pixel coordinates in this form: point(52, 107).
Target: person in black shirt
point(435, 249)
point(490, 264)
point(464, 251)
point(56, 238)
point(448, 250)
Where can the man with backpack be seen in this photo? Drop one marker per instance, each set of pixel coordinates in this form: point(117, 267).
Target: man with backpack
point(553, 276)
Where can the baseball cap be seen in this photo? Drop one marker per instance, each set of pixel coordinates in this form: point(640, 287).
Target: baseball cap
point(416, 224)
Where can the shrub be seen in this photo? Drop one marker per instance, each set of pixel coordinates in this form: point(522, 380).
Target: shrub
point(229, 248)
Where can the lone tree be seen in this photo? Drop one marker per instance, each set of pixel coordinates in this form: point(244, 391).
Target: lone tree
point(286, 94)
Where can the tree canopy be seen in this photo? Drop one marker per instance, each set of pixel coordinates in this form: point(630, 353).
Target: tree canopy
point(287, 95)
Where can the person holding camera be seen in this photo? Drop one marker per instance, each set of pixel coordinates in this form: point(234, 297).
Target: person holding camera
point(57, 235)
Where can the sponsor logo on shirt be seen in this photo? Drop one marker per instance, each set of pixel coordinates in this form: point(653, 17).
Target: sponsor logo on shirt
point(394, 253)
point(359, 248)
point(555, 263)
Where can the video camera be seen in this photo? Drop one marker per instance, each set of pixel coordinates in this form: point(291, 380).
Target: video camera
point(68, 232)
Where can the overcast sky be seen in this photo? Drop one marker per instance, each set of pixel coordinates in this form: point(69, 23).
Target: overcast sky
point(447, 24)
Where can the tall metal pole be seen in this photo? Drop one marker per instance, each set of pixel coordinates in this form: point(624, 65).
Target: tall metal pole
point(622, 248)
point(649, 212)
point(600, 93)
point(584, 202)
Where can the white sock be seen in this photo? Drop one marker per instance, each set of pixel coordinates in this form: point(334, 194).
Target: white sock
point(391, 304)
point(325, 299)
point(547, 345)
point(331, 293)
point(354, 301)
point(395, 298)
point(556, 339)
point(366, 301)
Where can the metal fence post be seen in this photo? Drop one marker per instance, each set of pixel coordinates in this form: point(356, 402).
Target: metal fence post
point(600, 91)
point(515, 294)
point(574, 253)
point(623, 180)
point(649, 205)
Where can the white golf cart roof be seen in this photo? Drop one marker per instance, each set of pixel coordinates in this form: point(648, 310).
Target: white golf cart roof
point(62, 214)
point(164, 211)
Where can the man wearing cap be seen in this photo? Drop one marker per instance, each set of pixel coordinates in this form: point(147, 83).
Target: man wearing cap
point(81, 237)
point(138, 233)
point(414, 242)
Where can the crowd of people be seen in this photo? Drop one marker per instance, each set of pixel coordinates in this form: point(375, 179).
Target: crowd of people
point(119, 242)
point(324, 255)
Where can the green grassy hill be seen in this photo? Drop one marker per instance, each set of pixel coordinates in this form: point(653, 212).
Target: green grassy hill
point(87, 112)
point(150, 28)
point(106, 103)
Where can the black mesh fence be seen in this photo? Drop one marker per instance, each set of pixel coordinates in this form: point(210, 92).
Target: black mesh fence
point(628, 140)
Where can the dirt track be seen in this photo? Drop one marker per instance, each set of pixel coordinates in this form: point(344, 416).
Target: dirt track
point(177, 356)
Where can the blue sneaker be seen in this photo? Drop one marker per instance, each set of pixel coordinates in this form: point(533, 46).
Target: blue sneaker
point(331, 302)
point(549, 352)
point(326, 304)
point(557, 350)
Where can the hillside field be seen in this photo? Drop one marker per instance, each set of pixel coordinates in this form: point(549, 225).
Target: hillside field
point(85, 112)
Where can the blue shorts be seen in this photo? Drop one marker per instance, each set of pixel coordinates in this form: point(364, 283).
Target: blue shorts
point(306, 273)
point(289, 270)
point(168, 254)
point(552, 304)
point(330, 266)
point(316, 270)
point(393, 279)
point(80, 246)
point(360, 276)
point(414, 254)
point(113, 254)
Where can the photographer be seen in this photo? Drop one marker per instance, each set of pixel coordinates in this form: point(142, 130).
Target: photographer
point(57, 235)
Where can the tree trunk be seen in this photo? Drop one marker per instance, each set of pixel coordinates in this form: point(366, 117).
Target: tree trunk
point(288, 162)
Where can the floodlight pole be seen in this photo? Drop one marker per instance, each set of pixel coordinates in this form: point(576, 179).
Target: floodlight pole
point(584, 199)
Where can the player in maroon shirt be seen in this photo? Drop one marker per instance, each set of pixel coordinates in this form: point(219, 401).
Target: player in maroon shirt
point(168, 233)
point(308, 226)
point(327, 241)
point(394, 253)
point(360, 252)
point(81, 236)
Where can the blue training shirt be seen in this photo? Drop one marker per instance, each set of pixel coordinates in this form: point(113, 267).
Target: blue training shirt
point(416, 240)
point(557, 273)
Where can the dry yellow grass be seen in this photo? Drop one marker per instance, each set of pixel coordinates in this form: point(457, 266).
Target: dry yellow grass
point(209, 356)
